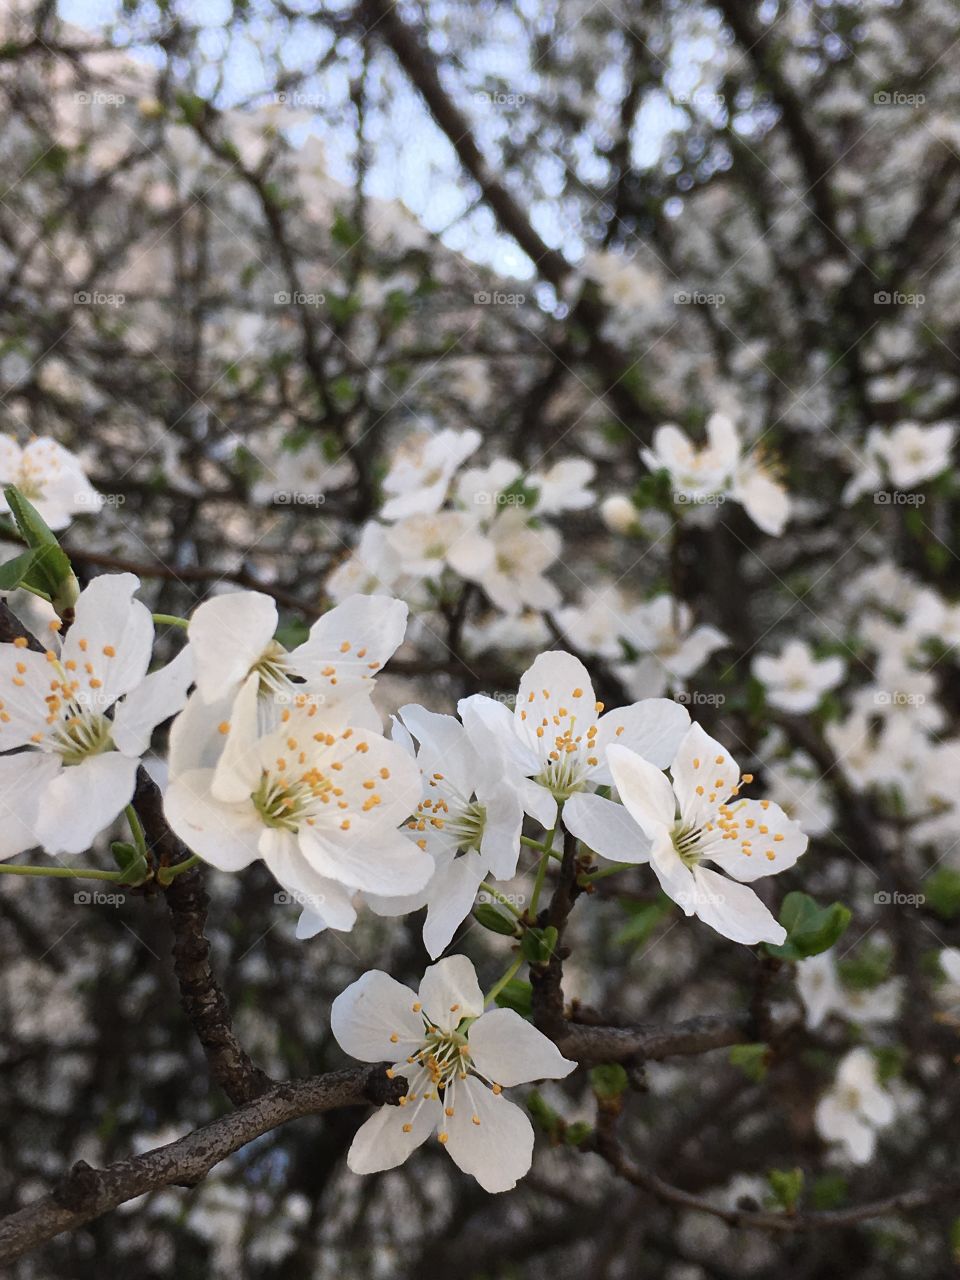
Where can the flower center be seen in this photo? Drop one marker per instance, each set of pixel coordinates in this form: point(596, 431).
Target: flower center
point(84, 734)
point(272, 669)
point(468, 825)
point(286, 802)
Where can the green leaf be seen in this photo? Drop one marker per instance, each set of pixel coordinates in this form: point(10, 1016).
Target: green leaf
point(487, 915)
point(16, 570)
point(644, 918)
point(608, 1081)
point(516, 995)
point(751, 1059)
point(810, 929)
point(130, 861)
point(787, 1186)
point(955, 1239)
point(576, 1133)
point(942, 889)
point(49, 571)
point(866, 967)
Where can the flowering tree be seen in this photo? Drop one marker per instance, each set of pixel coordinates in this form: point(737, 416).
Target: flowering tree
point(479, 585)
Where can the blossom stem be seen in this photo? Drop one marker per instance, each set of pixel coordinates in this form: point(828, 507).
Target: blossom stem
point(166, 874)
point(502, 899)
point(80, 873)
point(136, 830)
point(502, 982)
point(170, 620)
point(612, 870)
point(540, 847)
point(542, 868)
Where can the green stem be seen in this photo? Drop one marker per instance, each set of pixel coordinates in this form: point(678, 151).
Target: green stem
point(540, 847)
point(166, 874)
point(79, 873)
point(136, 830)
point(607, 871)
point(171, 620)
point(502, 982)
point(501, 898)
point(542, 868)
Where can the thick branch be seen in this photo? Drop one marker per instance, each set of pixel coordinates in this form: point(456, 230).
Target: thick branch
point(652, 1040)
point(87, 1193)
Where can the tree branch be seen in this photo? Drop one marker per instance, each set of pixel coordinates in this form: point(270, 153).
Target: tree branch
point(87, 1193)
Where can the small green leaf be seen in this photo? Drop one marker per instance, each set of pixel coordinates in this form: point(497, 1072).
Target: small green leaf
point(787, 1186)
point(608, 1081)
point(576, 1133)
point(751, 1059)
point(538, 945)
point(49, 571)
point(810, 928)
point(487, 915)
point(516, 995)
point(130, 861)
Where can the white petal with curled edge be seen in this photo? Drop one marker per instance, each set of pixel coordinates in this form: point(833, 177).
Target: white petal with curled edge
point(373, 1019)
point(24, 779)
point(449, 991)
point(195, 738)
point(83, 799)
point(500, 841)
point(734, 910)
point(508, 1050)
point(676, 880)
point(225, 835)
point(111, 639)
point(774, 840)
point(653, 728)
point(489, 1137)
point(237, 773)
point(160, 695)
point(606, 827)
point(646, 794)
point(372, 628)
point(451, 895)
point(380, 1143)
point(318, 894)
point(702, 762)
point(538, 802)
point(229, 635)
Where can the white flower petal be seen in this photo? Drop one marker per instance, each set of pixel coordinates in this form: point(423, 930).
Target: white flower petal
point(229, 635)
point(489, 1137)
point(24, 779)
point(606, 827)
point(83, 799)
point(160, 695)
point(734, 910)
point(653, 728)
point(508, 1050)
point(644, 790)
point(702, 768)
point(111, 639)
point(775, 842)
point(381, 1143)
point(349, 644)
point(450, 991)
point(373, 1019)
point(451, 894)
point(225, 835)
point(388, 864)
